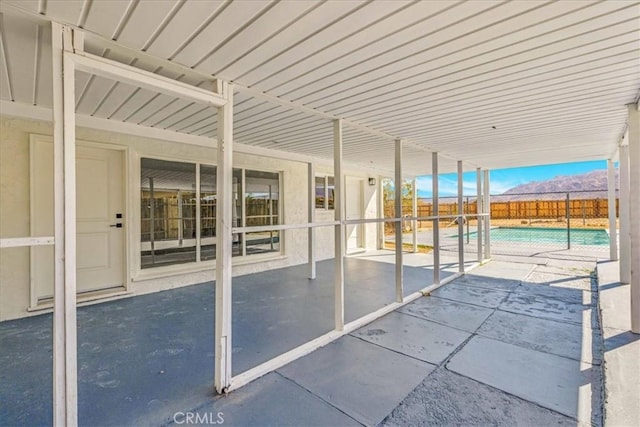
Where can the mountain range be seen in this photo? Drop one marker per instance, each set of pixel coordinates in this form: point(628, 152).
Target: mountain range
point(590, 185)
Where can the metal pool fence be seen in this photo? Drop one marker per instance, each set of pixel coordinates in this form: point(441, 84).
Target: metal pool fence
point(552, 220)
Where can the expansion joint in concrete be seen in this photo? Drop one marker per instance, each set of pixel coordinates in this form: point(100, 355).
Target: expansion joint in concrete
point(315, 395)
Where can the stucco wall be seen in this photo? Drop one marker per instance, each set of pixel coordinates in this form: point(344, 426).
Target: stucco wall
point(15, 221)
point(325, 235)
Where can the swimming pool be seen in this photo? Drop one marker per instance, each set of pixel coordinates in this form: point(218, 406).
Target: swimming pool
point(548, 235)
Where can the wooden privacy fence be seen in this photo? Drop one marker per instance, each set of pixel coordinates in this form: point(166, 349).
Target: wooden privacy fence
point(514, 209)
point(547, 209)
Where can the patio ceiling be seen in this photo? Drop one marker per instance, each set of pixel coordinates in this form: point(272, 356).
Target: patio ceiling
point(495, 84)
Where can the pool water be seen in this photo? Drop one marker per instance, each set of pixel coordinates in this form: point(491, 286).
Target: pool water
point(548, 235)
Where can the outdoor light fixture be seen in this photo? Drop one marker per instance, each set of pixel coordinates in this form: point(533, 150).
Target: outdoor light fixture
point(372, 181)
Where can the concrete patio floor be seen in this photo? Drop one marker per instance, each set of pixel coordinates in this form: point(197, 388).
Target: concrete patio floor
point(510, 343)
point(140, 359)
point(499, 346)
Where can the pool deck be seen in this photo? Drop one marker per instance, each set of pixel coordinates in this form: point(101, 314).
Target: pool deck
point(621, 349)
point(514, 342)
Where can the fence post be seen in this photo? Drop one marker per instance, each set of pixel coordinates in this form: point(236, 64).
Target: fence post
point(568, 224)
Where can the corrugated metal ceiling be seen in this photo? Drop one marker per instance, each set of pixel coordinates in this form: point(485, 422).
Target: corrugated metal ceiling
point(492, 83)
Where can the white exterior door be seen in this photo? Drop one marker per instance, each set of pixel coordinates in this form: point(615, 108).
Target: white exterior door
point(354, 210)
point(99, 201)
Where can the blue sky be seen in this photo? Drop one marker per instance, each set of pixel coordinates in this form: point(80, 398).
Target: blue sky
point(504, 179)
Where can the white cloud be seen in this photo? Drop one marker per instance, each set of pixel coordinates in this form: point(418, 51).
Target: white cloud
point(498, 187)
point(448, 185)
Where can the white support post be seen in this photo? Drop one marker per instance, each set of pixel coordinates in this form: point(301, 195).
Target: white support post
point(634, 206)
point(397, 185)
point(613, 233)
point(414, 213)
point(241, 191)
point(487, 210)
point(198, 214)
point(224, 244)
point(436, 222)
point(311, 217)
point(339, 228)
point(380, 213)
point(67, 58)
point(479, 211)
point(65, 392)
point(461, 220)
point(625, 216)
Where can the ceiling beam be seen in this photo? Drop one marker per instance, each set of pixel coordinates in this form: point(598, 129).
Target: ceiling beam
point(116, 71)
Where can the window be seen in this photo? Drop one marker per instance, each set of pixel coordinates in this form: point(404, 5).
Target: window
point(168, 207)
point(169, 203)
point(262, 208)
point(325, 192)
point(321, 191)
point(238, 239)
point(331, 188)
point(207, 212)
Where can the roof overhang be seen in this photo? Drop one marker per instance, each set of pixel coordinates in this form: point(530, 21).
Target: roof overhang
point(493, 84)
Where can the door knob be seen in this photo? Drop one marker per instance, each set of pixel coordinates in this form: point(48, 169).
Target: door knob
point(118, 225)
